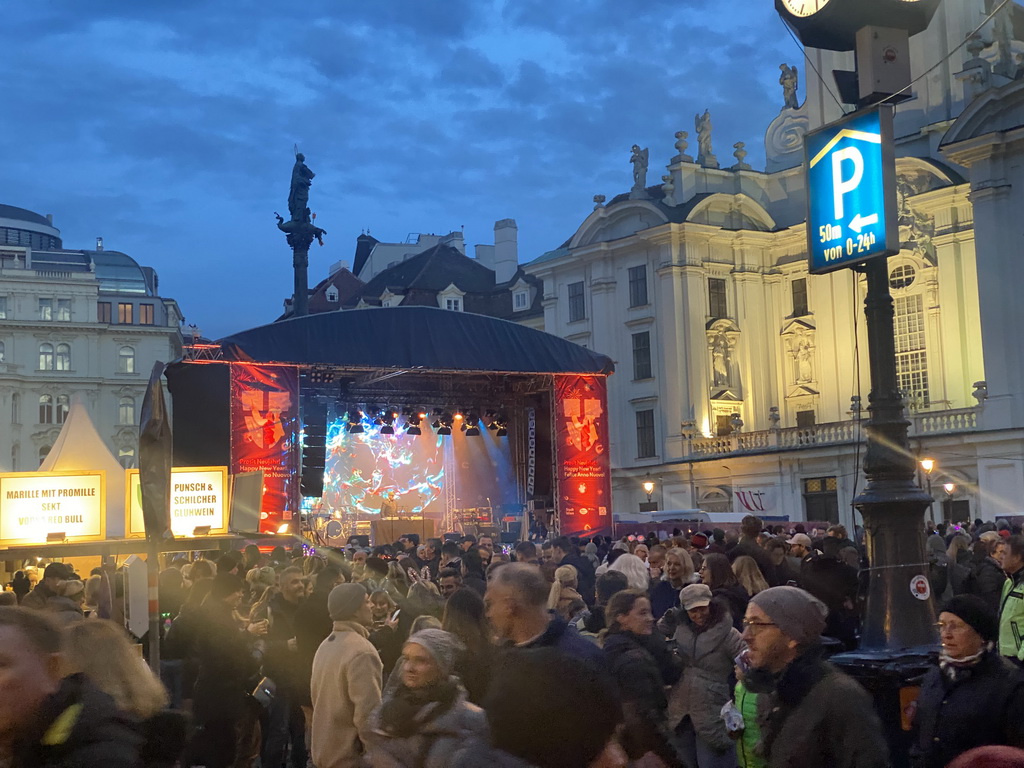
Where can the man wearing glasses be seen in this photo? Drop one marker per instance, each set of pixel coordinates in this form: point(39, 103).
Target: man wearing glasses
point(811, 714)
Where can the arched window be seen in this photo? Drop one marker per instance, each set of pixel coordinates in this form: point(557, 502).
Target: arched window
point(43, 453)
point(63, 405)
point(126, 410)
point(46, 409)
point(126, 360)
point(46, 357)
point(63, 357)
point(15, 408)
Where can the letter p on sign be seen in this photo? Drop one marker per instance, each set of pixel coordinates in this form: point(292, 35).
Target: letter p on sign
point(841, 186)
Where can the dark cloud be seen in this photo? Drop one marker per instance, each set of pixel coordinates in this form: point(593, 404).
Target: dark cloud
point(167, 128)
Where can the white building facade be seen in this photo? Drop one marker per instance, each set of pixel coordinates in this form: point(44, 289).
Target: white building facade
point(74, 324)
point(742, 381)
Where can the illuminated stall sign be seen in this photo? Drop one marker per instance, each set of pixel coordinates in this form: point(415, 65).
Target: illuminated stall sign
point(264, 435)
point(584, 470)
point(199, 498)
point(61, 506)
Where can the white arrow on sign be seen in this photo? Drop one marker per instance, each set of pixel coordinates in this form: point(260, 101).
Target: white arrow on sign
point(862, 221)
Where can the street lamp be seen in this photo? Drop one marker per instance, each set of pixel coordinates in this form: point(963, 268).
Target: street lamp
point(648, 486)
point(928, 465)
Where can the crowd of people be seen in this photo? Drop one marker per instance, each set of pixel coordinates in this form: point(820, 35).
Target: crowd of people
point(705, 651)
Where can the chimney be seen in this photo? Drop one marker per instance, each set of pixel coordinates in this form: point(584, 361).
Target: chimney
point(99, 243)
point(485, 255)
point(49, 218)
point(506, 250)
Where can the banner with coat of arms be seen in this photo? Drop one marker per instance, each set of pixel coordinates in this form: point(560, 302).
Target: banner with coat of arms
point(264, 435)
point(582, 451)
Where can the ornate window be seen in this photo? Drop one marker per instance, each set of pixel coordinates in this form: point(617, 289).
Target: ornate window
point(46, 356)
point(799, 290)
point(63, 357)
point(126, 360)
point(63, 406)
point(911, 356)
point(638, 286)
point(717, 302)
point(520, 300)
point(332, 294)
point(577, 304)
point(902, 277)
point(46, 409)
point(126, 410)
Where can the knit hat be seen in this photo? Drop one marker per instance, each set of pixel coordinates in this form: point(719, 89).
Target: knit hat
point(695, 596)
point(990, 757)
point(698, 541)
point(443, 646)
point(976, 613)
point(345, 600)
point(798, 614)
point(73, 588)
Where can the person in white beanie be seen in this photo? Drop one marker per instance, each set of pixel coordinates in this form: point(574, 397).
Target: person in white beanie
point(346, 682)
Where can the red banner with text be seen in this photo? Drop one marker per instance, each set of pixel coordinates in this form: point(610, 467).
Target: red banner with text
point(584, 466)
point(264, 436)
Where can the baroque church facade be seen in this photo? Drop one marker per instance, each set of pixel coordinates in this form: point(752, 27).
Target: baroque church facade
point(742, 381)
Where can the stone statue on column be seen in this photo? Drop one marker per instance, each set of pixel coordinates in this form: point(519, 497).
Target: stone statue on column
point(704, 154)
point(300, 231)
point(639, 159)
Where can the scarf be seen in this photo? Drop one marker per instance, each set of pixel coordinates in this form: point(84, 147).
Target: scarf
point(407, 710)
point(955, 670)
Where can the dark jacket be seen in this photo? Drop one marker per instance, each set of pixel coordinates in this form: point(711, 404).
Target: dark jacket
point(79, 727)
point(312, 626)
point(734, 598)
point(566, 639)
point(38, 597)
point(835, 583)
point(984, 706)
point(664, 597)
point(474, 670)
point(750, 547)
point(987, 581)
point(816, 716)
point(227, 667)
point(642, 666)
point(280, 663)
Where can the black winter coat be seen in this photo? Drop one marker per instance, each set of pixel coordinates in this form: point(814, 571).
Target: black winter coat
point(734, 599)
point(79, 727)
point(987, 581)
point(751, 548)
point(312, 626)
point(985, 706)
point(642, 667)
point(585, 573)
point(227, 668)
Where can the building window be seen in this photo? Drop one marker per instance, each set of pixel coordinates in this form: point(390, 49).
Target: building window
point(901, 277)
point(723, 424)
point(799, 288)
point(145, 314)
point(805, 419)
point(3, 307)
point(642, 355)
point(577, 305)
point(63, 406)
point(126, 457)
point(821, 499)
point(2, 352)
point(331, 294)
point(126, 360)
point(716, 298)
point(645, 444)
point(638, 286)
point(103, 312)
point(15, 457)
point(454, 304)
point(43, 453)
point(520, 300)
point(126, 410)
point(46, 357)
point(124, 313)
point(911, 358)
point(46, 409)
point(46, 309)
point(63, 357)
point(64, 310)
point(15, 408)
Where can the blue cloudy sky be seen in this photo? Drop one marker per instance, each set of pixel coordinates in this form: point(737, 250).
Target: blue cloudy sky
point(167, 127)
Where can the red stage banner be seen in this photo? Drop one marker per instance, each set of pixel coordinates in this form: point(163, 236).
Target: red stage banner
point(264, 436)
point(584, 466)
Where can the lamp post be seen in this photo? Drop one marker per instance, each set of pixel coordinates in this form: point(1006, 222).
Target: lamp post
point(950, 489)
point(928, 465)
point(648, 485)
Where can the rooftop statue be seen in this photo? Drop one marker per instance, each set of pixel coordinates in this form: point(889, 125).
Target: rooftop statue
point(298, 196)
point(789, 80)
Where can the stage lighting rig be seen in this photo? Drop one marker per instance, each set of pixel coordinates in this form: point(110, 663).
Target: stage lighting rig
point(471, 425)
point(412, 421)
point(500, 425)
point(387, 421)
point(443, 424)
point(355, 421)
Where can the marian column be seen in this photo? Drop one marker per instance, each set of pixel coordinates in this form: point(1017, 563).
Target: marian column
point(300, 232)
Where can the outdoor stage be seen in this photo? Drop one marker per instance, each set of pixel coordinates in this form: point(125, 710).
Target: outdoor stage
point(374, 420)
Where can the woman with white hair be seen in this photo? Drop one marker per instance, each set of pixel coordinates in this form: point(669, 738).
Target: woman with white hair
point(633, 567)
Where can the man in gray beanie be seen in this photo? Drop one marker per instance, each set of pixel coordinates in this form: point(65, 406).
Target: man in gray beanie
point(346, 681)
point(811, 714)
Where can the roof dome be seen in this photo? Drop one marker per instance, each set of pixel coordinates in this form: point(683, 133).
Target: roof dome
point(22, 227)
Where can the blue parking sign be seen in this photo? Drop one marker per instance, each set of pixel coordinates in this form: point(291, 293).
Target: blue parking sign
point(851, 191)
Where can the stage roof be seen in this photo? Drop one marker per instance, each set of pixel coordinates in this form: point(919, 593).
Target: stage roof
point(411, 338)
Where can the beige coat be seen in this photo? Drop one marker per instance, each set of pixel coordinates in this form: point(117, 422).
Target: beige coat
point(346, 688)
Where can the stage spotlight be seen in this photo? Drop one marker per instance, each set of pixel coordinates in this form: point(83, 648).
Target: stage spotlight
point(355, 424)
point(387, 421)
point(412, 422)
point(471, 425)
point(500, 425)
point(443, 425)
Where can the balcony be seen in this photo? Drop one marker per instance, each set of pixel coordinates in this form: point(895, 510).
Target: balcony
point(833, 433)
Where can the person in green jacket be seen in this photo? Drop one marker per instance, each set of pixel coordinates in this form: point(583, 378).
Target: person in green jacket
point(1011, 604)
point(746, 743)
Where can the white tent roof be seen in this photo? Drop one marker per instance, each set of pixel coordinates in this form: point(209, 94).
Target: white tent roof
point(80, 447)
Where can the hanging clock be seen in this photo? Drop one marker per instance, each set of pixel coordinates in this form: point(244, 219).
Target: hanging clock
point(833, 24)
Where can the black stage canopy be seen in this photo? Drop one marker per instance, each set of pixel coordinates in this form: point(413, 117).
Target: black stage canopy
point(412, 338)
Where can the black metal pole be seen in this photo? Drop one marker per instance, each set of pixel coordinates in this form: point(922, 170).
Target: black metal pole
point(898, 616)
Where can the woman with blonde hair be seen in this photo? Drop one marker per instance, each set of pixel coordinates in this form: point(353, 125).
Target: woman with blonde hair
point(101, 651)
point(564, 591)
point(749, 575)
point(637, 575)
point(678, 573)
